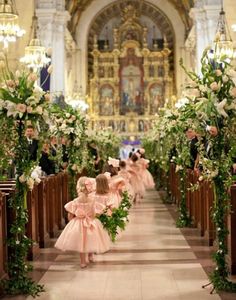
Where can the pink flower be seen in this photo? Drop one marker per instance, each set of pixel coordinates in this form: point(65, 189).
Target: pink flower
point(47, 97)
point(214, 86)
point(21, 107)
point(218, 72)
point(233, 92)
point(33, 77)
point(10, 83)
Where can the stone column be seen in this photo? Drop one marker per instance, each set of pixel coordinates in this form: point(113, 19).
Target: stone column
point(205, 15)
point(52, 20)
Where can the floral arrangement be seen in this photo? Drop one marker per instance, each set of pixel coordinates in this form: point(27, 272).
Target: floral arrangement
point(22, 102)
point(118, 218)
point(208, 107)
point(70, 124)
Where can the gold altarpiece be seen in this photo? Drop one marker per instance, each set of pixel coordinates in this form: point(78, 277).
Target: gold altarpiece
point(131, 81)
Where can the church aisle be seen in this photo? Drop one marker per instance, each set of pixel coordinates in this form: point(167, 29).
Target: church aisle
point(150, 260)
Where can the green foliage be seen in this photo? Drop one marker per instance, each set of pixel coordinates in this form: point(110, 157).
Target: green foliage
point(118, 219)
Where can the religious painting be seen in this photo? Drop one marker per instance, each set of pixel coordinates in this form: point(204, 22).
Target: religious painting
point(156, 97)
point(140, 125)
point(106, 102)
point(131, 90)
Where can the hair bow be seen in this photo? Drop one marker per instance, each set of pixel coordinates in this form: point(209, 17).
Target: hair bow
point(113, 162)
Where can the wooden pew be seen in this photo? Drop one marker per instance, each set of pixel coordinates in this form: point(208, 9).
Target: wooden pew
point(3, 234)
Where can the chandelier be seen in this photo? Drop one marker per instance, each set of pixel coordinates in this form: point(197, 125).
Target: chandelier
point(35, 54)
point(223, 44)
point(77, 99)
point(9, 28)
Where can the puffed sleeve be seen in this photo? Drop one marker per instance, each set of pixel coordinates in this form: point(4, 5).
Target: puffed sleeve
point(71, 206)
point(99, 208)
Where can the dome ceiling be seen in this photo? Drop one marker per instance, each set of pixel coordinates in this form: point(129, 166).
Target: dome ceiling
point(76, 8)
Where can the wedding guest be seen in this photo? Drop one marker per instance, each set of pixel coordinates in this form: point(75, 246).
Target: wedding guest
point(32, 142)
point(47, 165)
point(84, 233)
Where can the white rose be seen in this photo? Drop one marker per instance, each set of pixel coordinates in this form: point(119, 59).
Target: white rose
point(74, 167)
point(67, 115)
point(30, 183)
point(225, 78)
point(22, 178)
point(39, 110)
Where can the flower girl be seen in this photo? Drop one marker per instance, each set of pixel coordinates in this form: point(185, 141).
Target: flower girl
point(84, 233)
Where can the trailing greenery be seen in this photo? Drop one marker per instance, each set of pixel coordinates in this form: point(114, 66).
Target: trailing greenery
point(118, 218)
point(208, 106)
point(22, 103)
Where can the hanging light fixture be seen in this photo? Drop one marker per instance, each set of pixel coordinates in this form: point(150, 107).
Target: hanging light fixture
point(223, 44)
point(9, 28)
point(35, 54)
point(77, 99)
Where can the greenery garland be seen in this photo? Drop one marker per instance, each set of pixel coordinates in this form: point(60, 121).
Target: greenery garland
point(22, 102)
point(70, 124)
point(118, 219)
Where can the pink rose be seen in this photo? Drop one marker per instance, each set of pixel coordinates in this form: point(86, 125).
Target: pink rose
point(214, 86)
point(218, 72)
point(233, 92)
point(10, 83)
point(47, 97)
point(21, 107)
point(33, 77)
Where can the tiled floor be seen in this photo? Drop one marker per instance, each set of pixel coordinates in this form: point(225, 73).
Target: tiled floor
point(152, 259)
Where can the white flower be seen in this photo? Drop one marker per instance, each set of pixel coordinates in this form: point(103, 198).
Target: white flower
point(220, 108)
point(67, 115)
point(178, 168)
point(39, 110)
point(203, 88)
point(74, 167)
point(22, 178)
point(225, 78)
point(38, 90)
point(30, 183)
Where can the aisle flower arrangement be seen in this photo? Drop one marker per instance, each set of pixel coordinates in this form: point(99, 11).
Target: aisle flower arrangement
point(71, 125)
point(22, 102)
point(209, 107)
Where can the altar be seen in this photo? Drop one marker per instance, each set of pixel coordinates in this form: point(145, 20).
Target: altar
point(131, 79)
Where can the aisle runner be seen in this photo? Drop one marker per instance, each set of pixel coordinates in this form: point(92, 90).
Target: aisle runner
point(151, 260)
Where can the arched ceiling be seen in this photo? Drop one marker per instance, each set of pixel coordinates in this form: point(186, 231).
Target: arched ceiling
point(76, 8)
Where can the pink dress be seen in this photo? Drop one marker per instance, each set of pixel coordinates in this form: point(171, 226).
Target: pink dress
point(105, 200)
point(136, 179)
point(84, 233)
point(146, 175)
point(116, 184)
point(128, 187)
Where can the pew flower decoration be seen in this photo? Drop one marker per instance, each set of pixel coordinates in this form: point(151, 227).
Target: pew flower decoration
point(22, 102)
point(33, 178)
point(70, 125)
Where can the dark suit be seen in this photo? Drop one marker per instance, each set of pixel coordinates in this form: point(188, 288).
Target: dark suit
point(33, 148)
point(46, 164)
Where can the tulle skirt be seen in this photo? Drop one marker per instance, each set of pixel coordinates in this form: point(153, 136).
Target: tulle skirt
point(77, 237)
point(148, 179)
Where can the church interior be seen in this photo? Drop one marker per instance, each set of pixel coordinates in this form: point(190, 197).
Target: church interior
point(112, 80)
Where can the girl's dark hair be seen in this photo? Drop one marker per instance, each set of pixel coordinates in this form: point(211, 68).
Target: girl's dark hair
point(134, 157)
point(110, 169)
point(122, 164)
